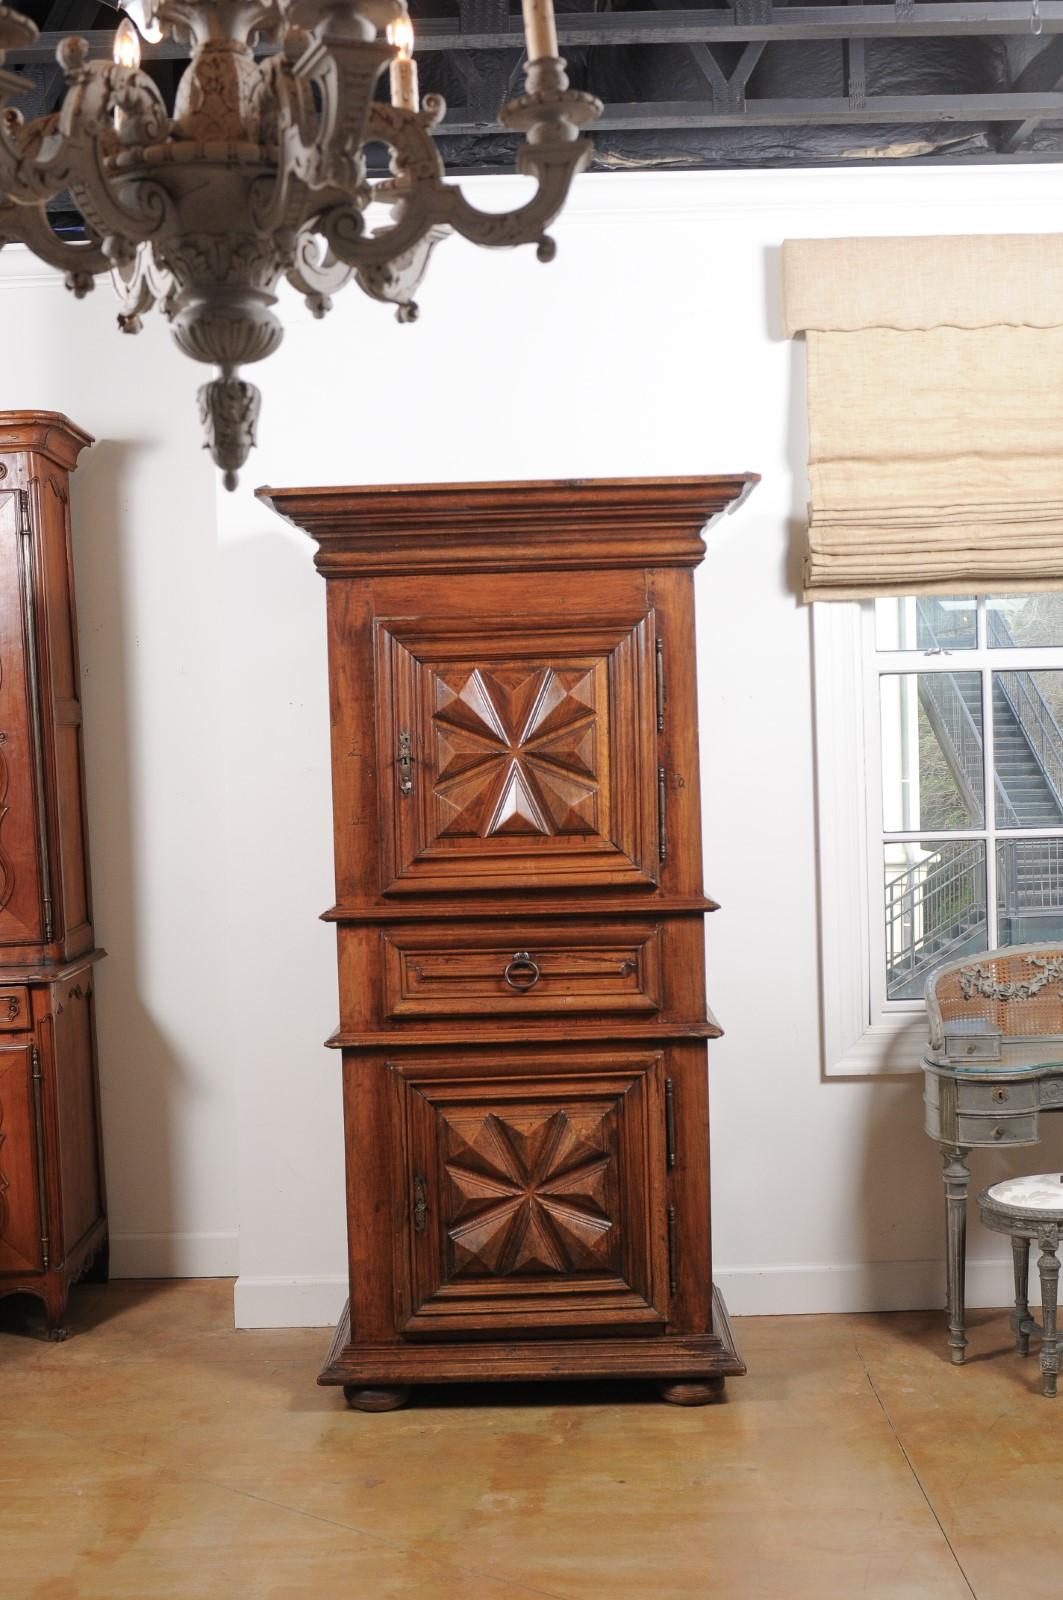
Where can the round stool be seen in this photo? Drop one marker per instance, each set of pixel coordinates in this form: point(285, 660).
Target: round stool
point(1031, 1208)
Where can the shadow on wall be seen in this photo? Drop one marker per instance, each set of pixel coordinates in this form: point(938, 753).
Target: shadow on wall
point(140, 1074)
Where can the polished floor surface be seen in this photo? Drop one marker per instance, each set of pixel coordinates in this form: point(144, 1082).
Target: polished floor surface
point(158, 1455)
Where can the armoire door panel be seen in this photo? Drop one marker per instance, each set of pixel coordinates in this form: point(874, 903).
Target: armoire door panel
point(530, 1195)
point(516, 754)
point(21, 909)
point(20, 1210)
point(527, 970)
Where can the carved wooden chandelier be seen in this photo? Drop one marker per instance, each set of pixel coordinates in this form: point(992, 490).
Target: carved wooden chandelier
point(261, 173)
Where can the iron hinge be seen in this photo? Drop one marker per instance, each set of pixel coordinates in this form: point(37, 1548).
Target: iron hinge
point(660, 685)
point(671, 1250)
point(662, 836)
point(38, 1125)
point(669, 1122)
point(420, 1203)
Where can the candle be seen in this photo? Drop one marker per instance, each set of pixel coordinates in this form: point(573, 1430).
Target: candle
point(126, 45)
point(404, 91)
point(540, 30)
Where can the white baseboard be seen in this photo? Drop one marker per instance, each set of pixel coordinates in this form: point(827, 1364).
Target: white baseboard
point(289, 1302)
point(749, 1291)
point(862, 1286)
point(175, 1255)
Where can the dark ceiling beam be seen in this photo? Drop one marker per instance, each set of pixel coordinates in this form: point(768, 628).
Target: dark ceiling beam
point(932, 19)
point(795, 113)
point(1044, 72)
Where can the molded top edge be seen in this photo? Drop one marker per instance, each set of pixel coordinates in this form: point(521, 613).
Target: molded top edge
point(529, 523)
point(47, 433)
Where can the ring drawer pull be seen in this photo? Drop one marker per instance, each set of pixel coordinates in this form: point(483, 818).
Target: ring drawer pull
point(522, 972)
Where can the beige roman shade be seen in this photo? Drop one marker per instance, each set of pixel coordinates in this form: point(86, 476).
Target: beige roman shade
point(935, 400)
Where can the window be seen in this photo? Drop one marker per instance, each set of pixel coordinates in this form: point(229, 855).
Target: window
point(940, 760)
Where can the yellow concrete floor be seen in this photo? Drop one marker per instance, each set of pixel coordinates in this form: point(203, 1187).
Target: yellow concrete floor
point(159, 1455)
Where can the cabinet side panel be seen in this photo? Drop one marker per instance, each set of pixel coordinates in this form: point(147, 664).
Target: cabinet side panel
point(75, 1103)
point(61, 707)
point(673, 596)
point(20, 1224)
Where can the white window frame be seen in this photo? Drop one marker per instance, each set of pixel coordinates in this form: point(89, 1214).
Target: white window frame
point(864, 1034)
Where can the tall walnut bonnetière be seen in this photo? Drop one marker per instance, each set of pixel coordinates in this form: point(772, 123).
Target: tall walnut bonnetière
point(53, 1224)
point(519, 917)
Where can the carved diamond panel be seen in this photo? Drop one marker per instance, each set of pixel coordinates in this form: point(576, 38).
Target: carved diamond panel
point(530, 1192)
point(515, 751)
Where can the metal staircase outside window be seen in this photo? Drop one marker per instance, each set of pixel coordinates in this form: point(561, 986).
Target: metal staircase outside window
point(936, 910)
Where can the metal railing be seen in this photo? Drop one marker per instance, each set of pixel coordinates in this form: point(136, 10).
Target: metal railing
point(932, 904)
point(1029, 876)
point(1031, 711)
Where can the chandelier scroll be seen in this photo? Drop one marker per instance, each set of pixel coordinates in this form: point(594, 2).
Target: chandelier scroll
point(260, 173)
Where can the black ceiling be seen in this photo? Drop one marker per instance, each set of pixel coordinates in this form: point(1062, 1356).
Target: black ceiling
point(753, 83)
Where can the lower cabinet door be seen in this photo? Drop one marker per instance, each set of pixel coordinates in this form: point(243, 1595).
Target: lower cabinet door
point(20, 1199)
point(531, 1195)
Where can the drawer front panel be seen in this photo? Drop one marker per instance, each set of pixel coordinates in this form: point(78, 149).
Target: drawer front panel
point(988, 1130)
point(14, 1010)
point(1004, 1097)
point(501, 973)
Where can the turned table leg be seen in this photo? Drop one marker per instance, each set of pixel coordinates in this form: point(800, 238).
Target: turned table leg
point(1022, 1323)
point(957, 1177)
point(1048, 1266)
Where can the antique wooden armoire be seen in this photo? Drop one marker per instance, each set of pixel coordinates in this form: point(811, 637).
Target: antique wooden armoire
point(53, 1225)
point(519, 915)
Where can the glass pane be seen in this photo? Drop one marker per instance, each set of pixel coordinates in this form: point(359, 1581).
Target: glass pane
point(1029, 890)
point(926, 622)
point(931, 751)
point(1028, 749)
point(1026, 620)
point(935, 910)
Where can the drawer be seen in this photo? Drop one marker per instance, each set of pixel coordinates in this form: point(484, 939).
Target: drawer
point(15, 1014)
point(989, 1130)
point(535, 969)
point(1003, 1097)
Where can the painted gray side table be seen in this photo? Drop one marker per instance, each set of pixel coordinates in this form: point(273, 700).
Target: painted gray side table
point(993, 1065)
point(1027, 1209)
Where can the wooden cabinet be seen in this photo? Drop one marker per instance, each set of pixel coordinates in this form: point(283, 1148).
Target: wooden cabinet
point(519, 920)
point(52, 1211)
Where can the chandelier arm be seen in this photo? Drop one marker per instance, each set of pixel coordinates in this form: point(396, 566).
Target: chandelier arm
point(279, 204)
point(29, 225)
point(395, 281)
point(316, 273)
point(554, 166)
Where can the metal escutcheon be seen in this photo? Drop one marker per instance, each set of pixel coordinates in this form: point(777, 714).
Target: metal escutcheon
point(522, 973)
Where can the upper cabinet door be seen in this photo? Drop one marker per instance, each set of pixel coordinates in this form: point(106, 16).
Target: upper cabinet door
point(517, 753)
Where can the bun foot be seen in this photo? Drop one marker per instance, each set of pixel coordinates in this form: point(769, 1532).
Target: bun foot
point(691, 1391)
point(390, 1399)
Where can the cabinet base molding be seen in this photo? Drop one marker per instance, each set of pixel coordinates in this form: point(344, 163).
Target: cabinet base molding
point(87, 1263)
point(694, 1364)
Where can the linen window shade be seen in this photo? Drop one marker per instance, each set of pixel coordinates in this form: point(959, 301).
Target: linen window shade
point(935, 398)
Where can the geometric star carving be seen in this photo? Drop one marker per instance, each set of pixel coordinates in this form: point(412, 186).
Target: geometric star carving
point(515, 750)
point(529, 1192)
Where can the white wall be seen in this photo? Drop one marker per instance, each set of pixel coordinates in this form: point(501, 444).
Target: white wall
point(652, 345)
